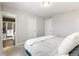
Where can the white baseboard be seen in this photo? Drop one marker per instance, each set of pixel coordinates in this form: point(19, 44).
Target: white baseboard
point(19, 43)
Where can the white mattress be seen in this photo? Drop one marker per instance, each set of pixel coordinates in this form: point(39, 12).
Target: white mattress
point(44, 47)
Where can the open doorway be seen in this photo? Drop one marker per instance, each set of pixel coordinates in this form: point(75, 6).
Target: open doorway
point(8, 32)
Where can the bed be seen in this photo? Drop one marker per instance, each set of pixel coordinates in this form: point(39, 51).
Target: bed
point(43, 46)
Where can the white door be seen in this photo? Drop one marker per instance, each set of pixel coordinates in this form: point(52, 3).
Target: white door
point(32, 27)
point(48, 27)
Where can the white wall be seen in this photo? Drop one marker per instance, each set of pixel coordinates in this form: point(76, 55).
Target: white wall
point(1, 50)
point(65, 23)
point(25, 24)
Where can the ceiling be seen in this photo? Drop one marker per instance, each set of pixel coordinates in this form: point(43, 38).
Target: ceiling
point(45, 12)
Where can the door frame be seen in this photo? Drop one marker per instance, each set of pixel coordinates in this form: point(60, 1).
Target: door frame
point(8, 15)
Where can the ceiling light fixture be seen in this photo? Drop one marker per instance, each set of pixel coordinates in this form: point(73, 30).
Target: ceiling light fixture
point(46, 4)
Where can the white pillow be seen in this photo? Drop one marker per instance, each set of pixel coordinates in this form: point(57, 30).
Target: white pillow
point(68, 44)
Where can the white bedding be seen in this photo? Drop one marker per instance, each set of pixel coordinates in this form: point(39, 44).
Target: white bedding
point(46, 46)
point(34, 40)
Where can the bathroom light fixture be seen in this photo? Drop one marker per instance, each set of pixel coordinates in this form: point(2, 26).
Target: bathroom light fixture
point(46, 4)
